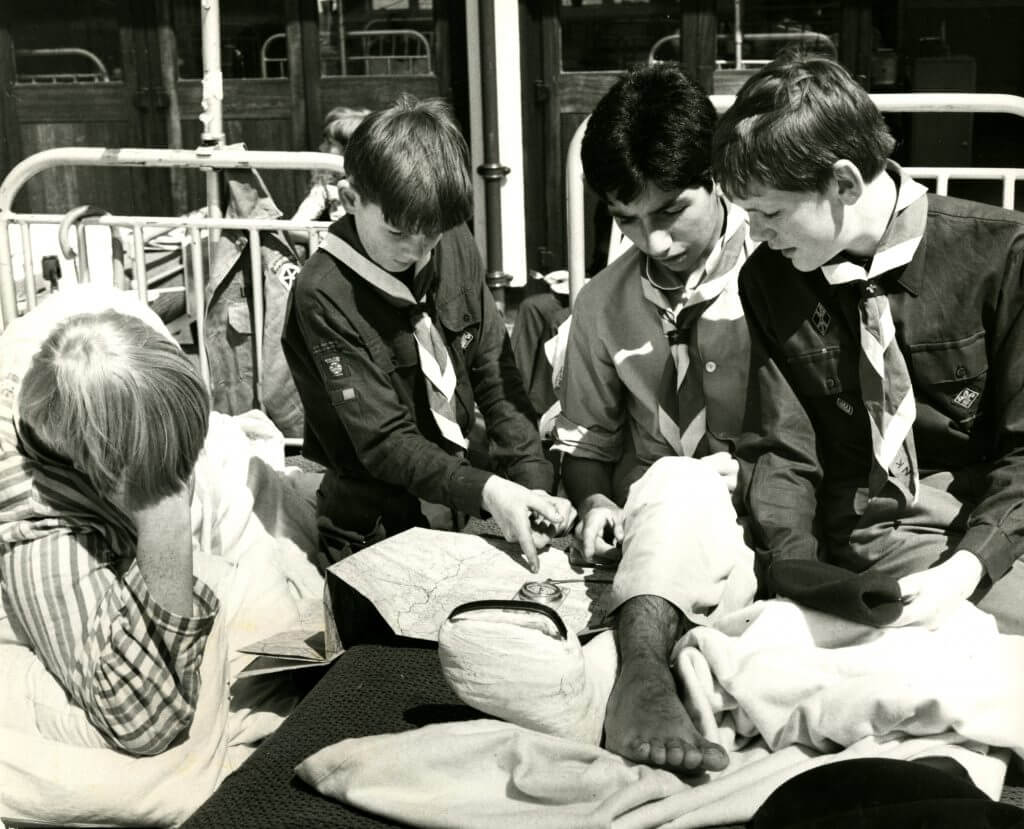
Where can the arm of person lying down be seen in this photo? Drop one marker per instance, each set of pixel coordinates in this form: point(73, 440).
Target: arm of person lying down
point(124, 636)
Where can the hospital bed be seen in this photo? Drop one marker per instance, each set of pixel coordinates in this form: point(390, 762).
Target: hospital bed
point(385, 686)
point(156, 256)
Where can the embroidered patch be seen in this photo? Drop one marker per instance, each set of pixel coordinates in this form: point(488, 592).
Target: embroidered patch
point(967, 397)
point(330, 355)
point(467, 338)
point(348, 394)
point(333, 365)
point(821, 319)
point(286, 274)
point(844, 406)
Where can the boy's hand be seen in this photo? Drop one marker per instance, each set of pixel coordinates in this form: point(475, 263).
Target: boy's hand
point(600, 529)
point(725, 465)
point(530, 517)
point(931, 596)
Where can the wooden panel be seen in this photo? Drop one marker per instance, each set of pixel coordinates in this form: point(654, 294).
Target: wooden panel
point(62, 188)
point(373, 92)
point(269, 133)
point(72, 102)
point(698, 28)
point(579, 92)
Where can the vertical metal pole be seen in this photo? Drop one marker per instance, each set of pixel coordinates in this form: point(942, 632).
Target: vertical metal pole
point(8, 295)
point(26, 265)
point(258, 313)
point(212, 116)
point(492, 171)
point(738, 31)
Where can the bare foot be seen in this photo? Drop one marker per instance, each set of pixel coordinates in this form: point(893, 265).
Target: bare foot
point(647, 723)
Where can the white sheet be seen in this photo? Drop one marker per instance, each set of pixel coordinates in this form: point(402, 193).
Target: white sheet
point(781, 687)
point(251, 526)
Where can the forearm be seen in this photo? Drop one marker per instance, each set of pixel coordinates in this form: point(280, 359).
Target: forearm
point(164, 551)
point(584, 479)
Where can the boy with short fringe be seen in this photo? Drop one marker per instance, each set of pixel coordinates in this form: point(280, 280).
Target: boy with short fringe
point(393, 338)
point(898, 318)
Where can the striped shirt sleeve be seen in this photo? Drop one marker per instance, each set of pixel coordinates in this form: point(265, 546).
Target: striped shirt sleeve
point(130, 664)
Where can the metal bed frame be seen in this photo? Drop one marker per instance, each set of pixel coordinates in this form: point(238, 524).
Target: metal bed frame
point(909, 102)
point(142, 229)
point(211, 160)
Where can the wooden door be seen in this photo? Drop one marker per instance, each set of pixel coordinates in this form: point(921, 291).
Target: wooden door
point(574, 50)
point(77, 73)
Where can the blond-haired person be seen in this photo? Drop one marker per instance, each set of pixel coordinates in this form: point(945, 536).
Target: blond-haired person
point(132, 521)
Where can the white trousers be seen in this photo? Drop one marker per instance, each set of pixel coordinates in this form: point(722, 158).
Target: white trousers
point(684, 543)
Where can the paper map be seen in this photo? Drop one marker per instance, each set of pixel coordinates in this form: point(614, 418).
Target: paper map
point(416, 578)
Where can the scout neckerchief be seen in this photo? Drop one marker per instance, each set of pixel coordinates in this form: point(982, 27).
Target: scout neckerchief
point(435, 361)
point(884, 378)
point(682, 417)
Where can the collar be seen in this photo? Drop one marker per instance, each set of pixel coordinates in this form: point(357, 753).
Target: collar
point(899, 242)
point(342, 242)
point(721, 268)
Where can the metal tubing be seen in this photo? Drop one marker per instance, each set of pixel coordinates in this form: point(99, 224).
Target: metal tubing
point(492, 171)
point(256, 265)
point(222, 158)
point(139, 262)
point(199, 302)
point(886, 102)
point(26, 266)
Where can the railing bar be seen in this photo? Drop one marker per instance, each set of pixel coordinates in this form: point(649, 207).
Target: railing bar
point(199, 301)
point(256, 262)
point(82, 255)
point(26, 266)
point(139, 259)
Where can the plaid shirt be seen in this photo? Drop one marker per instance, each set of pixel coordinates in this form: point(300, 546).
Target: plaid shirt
point(75, 594)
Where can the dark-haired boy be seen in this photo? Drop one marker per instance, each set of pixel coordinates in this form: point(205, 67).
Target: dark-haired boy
point(661, 402)
point(898, 317)
point(393, 338)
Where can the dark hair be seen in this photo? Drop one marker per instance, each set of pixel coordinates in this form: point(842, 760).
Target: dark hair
point(792, 121)
point(653, 126)
point(411, 160)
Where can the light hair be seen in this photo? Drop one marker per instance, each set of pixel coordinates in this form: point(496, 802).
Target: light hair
point(339, 124)
point(411, 160)
point(120, 402)
point(791, 122)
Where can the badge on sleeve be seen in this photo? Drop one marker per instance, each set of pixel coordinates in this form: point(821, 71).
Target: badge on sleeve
point(329, 355)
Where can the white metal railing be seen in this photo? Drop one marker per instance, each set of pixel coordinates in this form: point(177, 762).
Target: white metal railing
point(810, 39)
point(279, 61)
point(99, 74)
point(141, 229)
point(395, 51)
point(909, 102)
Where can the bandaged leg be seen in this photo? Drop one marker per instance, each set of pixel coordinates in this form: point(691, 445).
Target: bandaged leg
point(684, 562)
point(683, 542)
point(516, 665)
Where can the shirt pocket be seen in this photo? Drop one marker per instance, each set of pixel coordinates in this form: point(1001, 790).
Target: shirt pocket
point(952, 374)
point(816, 373)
